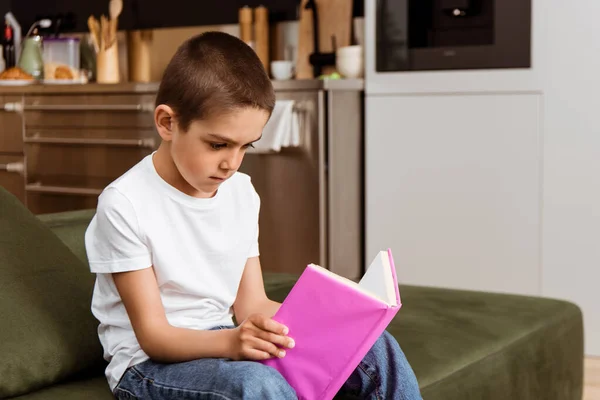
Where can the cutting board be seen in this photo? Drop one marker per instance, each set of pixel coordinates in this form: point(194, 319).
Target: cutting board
point(335, 19)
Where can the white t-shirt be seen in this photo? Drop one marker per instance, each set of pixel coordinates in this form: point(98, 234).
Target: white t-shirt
point(197, 246)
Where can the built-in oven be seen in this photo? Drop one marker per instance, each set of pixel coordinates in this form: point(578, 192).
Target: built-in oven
point(420, 35)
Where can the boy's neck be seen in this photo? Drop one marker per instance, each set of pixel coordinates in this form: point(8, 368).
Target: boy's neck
point(165, 167)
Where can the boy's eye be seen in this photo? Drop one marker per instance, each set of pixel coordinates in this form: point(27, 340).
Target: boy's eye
point(218, 146)
point(248, 145)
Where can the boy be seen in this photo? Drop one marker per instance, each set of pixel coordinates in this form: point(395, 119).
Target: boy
point(174, 244)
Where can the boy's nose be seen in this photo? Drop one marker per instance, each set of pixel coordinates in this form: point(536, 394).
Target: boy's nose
point(234, 161)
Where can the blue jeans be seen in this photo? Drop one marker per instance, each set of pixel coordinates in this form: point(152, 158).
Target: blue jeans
point(384, 373)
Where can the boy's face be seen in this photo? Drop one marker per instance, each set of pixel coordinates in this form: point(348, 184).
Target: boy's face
point(211, 151)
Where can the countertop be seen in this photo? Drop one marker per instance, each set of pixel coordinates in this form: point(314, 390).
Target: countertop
point(152, 87)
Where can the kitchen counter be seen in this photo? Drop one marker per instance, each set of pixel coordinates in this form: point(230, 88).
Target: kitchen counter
point(152, 87)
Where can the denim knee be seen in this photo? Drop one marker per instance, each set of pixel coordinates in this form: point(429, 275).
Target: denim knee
point(386, 341)
point(263, 382)
point(387, 349)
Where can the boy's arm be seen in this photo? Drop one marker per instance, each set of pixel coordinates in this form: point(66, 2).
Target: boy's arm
point(251, 297)
point(257, 338)
point(160, 340)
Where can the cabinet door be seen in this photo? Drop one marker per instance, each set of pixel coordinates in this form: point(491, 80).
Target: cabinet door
point(453, 187)
point(11, 128)
point(291, 188)
point(13, 181)
point(77, 144)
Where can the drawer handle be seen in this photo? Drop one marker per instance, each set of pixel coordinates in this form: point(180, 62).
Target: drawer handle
point(143, 143)
point(39, 188)
point(18, 167)
point(20, 107)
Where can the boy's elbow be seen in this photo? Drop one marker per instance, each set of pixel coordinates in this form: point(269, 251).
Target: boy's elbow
point(152, 350)
point(153, 342)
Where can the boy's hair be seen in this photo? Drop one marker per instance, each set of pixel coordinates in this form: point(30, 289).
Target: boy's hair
point(211, 74)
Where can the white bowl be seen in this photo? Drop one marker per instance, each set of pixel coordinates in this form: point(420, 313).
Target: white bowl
point(350, 67)
point(282, 70)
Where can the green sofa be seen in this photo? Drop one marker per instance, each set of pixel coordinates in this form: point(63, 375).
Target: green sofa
point(462, 345)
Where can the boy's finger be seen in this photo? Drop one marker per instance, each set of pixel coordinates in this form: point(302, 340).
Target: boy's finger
point(280, 340)
point(270, 325)
point(269, 347)
point(254, 354)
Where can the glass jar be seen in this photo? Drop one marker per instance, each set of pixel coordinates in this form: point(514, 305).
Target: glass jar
point(61, 56)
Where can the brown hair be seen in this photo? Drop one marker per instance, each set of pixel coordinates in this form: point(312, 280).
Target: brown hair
point(214, 73)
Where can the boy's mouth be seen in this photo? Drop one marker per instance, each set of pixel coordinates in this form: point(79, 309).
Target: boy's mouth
point(217, 178)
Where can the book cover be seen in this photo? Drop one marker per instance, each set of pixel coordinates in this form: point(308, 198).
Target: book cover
point(334, 322)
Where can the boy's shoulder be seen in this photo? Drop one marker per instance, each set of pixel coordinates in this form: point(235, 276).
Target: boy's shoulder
point(242, 181)
point(134, 180)
point(132, 184)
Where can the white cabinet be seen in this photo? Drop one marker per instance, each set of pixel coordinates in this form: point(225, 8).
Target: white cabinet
point(464, 189)
point(453, 186)
point(571, 250)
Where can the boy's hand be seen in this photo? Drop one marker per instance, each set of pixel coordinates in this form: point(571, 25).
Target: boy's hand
point(259, 338)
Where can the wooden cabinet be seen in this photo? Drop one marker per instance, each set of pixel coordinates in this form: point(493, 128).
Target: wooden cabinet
point(11, 174)
point(11, 133)
point(12, 160)
point(73, 141)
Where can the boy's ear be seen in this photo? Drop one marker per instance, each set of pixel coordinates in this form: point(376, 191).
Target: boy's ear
point(164, 119)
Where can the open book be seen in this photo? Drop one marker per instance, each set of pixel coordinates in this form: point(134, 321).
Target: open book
point(334, 322)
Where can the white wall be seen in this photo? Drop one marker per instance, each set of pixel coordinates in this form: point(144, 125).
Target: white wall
point(489, 180)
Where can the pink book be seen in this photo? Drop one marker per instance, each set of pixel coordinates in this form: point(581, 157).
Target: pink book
point(334, 322)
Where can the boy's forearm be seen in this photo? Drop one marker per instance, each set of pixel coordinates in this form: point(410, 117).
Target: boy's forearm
point(270, 308)
point(267, 307)
point(173, 344)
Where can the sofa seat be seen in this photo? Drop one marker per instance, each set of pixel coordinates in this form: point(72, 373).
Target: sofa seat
point(461, 344)
point(94, 388)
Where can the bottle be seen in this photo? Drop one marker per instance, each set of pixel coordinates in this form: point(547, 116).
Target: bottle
point(8, 47)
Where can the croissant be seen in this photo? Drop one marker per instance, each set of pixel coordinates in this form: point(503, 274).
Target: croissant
point(15, 73)
point(63, 72)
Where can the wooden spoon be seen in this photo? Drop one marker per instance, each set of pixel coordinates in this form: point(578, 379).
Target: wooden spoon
point(104, 32)
point(94, 28)
point(114, 10)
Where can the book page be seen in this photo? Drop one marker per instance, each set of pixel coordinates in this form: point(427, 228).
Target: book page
point(349, 283)
point(378, 279)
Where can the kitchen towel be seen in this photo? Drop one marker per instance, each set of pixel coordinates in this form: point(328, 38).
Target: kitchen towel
point(282, 129)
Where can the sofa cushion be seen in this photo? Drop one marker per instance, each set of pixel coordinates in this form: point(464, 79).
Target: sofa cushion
point(48, 332)
point(85, 389)
point(466, 345)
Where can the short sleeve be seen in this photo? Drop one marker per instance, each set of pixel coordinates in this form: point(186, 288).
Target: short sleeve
point(254, 250)
point(113, 241)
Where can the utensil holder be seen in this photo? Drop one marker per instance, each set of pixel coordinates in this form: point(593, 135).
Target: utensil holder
point(107, 65)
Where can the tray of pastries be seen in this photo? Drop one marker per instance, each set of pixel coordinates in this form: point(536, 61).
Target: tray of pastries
point(15, 76)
